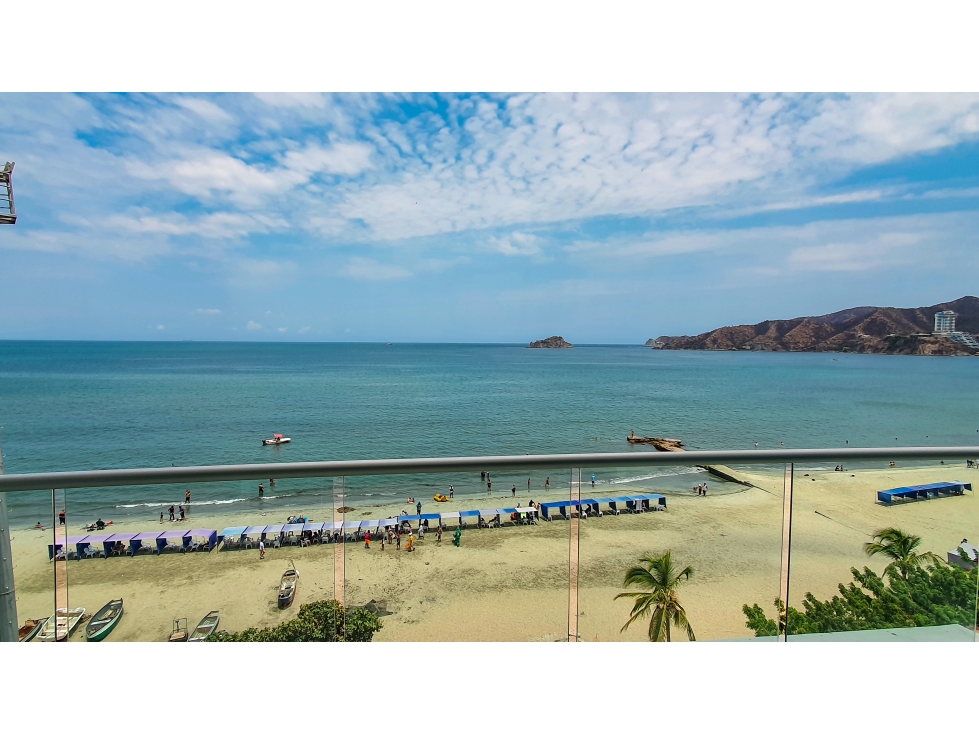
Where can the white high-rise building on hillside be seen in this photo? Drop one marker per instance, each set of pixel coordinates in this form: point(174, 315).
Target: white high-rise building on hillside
point(944, 322)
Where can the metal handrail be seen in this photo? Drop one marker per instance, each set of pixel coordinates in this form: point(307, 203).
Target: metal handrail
point(294, 470)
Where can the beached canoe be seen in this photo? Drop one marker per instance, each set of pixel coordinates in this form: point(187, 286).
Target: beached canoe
point(62, 626)
point(205, 628)
point(104, 621)
point(30, 629)
point(287, 587)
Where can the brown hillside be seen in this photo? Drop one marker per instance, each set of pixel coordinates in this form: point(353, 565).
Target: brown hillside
point(868, 329)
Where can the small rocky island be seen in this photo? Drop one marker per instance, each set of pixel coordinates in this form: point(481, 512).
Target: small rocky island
point(552, 342)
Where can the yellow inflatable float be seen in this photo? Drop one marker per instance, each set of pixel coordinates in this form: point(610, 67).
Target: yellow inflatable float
point(441, 498)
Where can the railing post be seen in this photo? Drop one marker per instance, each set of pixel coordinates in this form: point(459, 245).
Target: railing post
point(573, 558)
point(8, 596)
point(786, 574)
point(339, 568)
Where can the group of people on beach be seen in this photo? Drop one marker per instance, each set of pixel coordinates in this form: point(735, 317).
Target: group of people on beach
point(173, 513)
point(484, 476)
point(701, 489)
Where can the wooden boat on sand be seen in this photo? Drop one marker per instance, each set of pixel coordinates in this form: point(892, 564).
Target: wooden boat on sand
point(205, 628)
point(104, 621)
point(30, 629)
point(287, 587)
point(62, 625)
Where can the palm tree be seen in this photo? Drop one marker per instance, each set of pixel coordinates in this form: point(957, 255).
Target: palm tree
point(660, 602)
point(901, 548)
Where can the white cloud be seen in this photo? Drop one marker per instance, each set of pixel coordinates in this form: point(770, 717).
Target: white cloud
point(283, 329)
point(292, 99)
point(304, 330)
point(205, 108)
point(209, 311)
point(516, 243)
point(160, 327)
point(878, 252)
point(218, 225)
point(254, 326)
point(367, 269)
point(261, 274)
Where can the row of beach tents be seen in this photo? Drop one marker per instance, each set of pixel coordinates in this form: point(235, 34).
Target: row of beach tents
point(153, 541)
point(547, 511)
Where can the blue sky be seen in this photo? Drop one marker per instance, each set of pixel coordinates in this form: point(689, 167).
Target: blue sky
point(478, 218)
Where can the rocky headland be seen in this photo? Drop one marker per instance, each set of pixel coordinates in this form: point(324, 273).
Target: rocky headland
point(865, 330)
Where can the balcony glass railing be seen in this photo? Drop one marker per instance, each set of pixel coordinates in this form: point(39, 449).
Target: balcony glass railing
point(541, 548)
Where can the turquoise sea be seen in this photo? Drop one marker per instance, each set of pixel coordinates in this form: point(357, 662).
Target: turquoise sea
point(94, 405)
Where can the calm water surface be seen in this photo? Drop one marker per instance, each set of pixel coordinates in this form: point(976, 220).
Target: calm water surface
point(93, 405)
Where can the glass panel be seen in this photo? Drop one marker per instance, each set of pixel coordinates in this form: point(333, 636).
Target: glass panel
point(506, 579)
point(889, 534)
point(729, 535)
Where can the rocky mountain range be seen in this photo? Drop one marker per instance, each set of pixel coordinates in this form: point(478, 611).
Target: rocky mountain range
point(866, 329)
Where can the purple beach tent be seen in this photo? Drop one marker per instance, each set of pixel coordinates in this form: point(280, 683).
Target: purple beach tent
point(163, 541)
point(71, 540)
point(109, 543)
point(205, 534)
point(136, 544)
point(92, 540)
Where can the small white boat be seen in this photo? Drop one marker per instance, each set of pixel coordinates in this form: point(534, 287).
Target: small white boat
point(67, 623)
point(276, 439)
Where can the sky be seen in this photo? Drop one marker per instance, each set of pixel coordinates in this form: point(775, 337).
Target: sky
point(603, 218)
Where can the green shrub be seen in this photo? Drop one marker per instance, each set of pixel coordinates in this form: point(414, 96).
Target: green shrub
point(321, 621)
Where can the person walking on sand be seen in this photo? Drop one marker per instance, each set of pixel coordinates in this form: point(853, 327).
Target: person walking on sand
point(457, 539)
point(398, 539)
point(367, 540)
point(547, 484)
point(452, 491)
point(161, 517)
point(61, 516)
point(513, 491)
point(261, 550)
point(418, 506)
point(172, 513)
point(382, 541)
point(438, 535)
point(528, 485)
point(181, 512)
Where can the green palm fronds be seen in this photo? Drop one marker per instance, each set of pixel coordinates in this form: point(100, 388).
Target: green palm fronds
point(901, 548)
point(660, 602)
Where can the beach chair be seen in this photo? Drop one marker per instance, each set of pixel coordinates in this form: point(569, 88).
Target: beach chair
point(91, 551)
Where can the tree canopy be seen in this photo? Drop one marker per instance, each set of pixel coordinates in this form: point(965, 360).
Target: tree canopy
point(321, 621)
point(921, 597)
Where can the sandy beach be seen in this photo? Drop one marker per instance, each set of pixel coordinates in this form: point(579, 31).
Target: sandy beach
point(511, 583)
